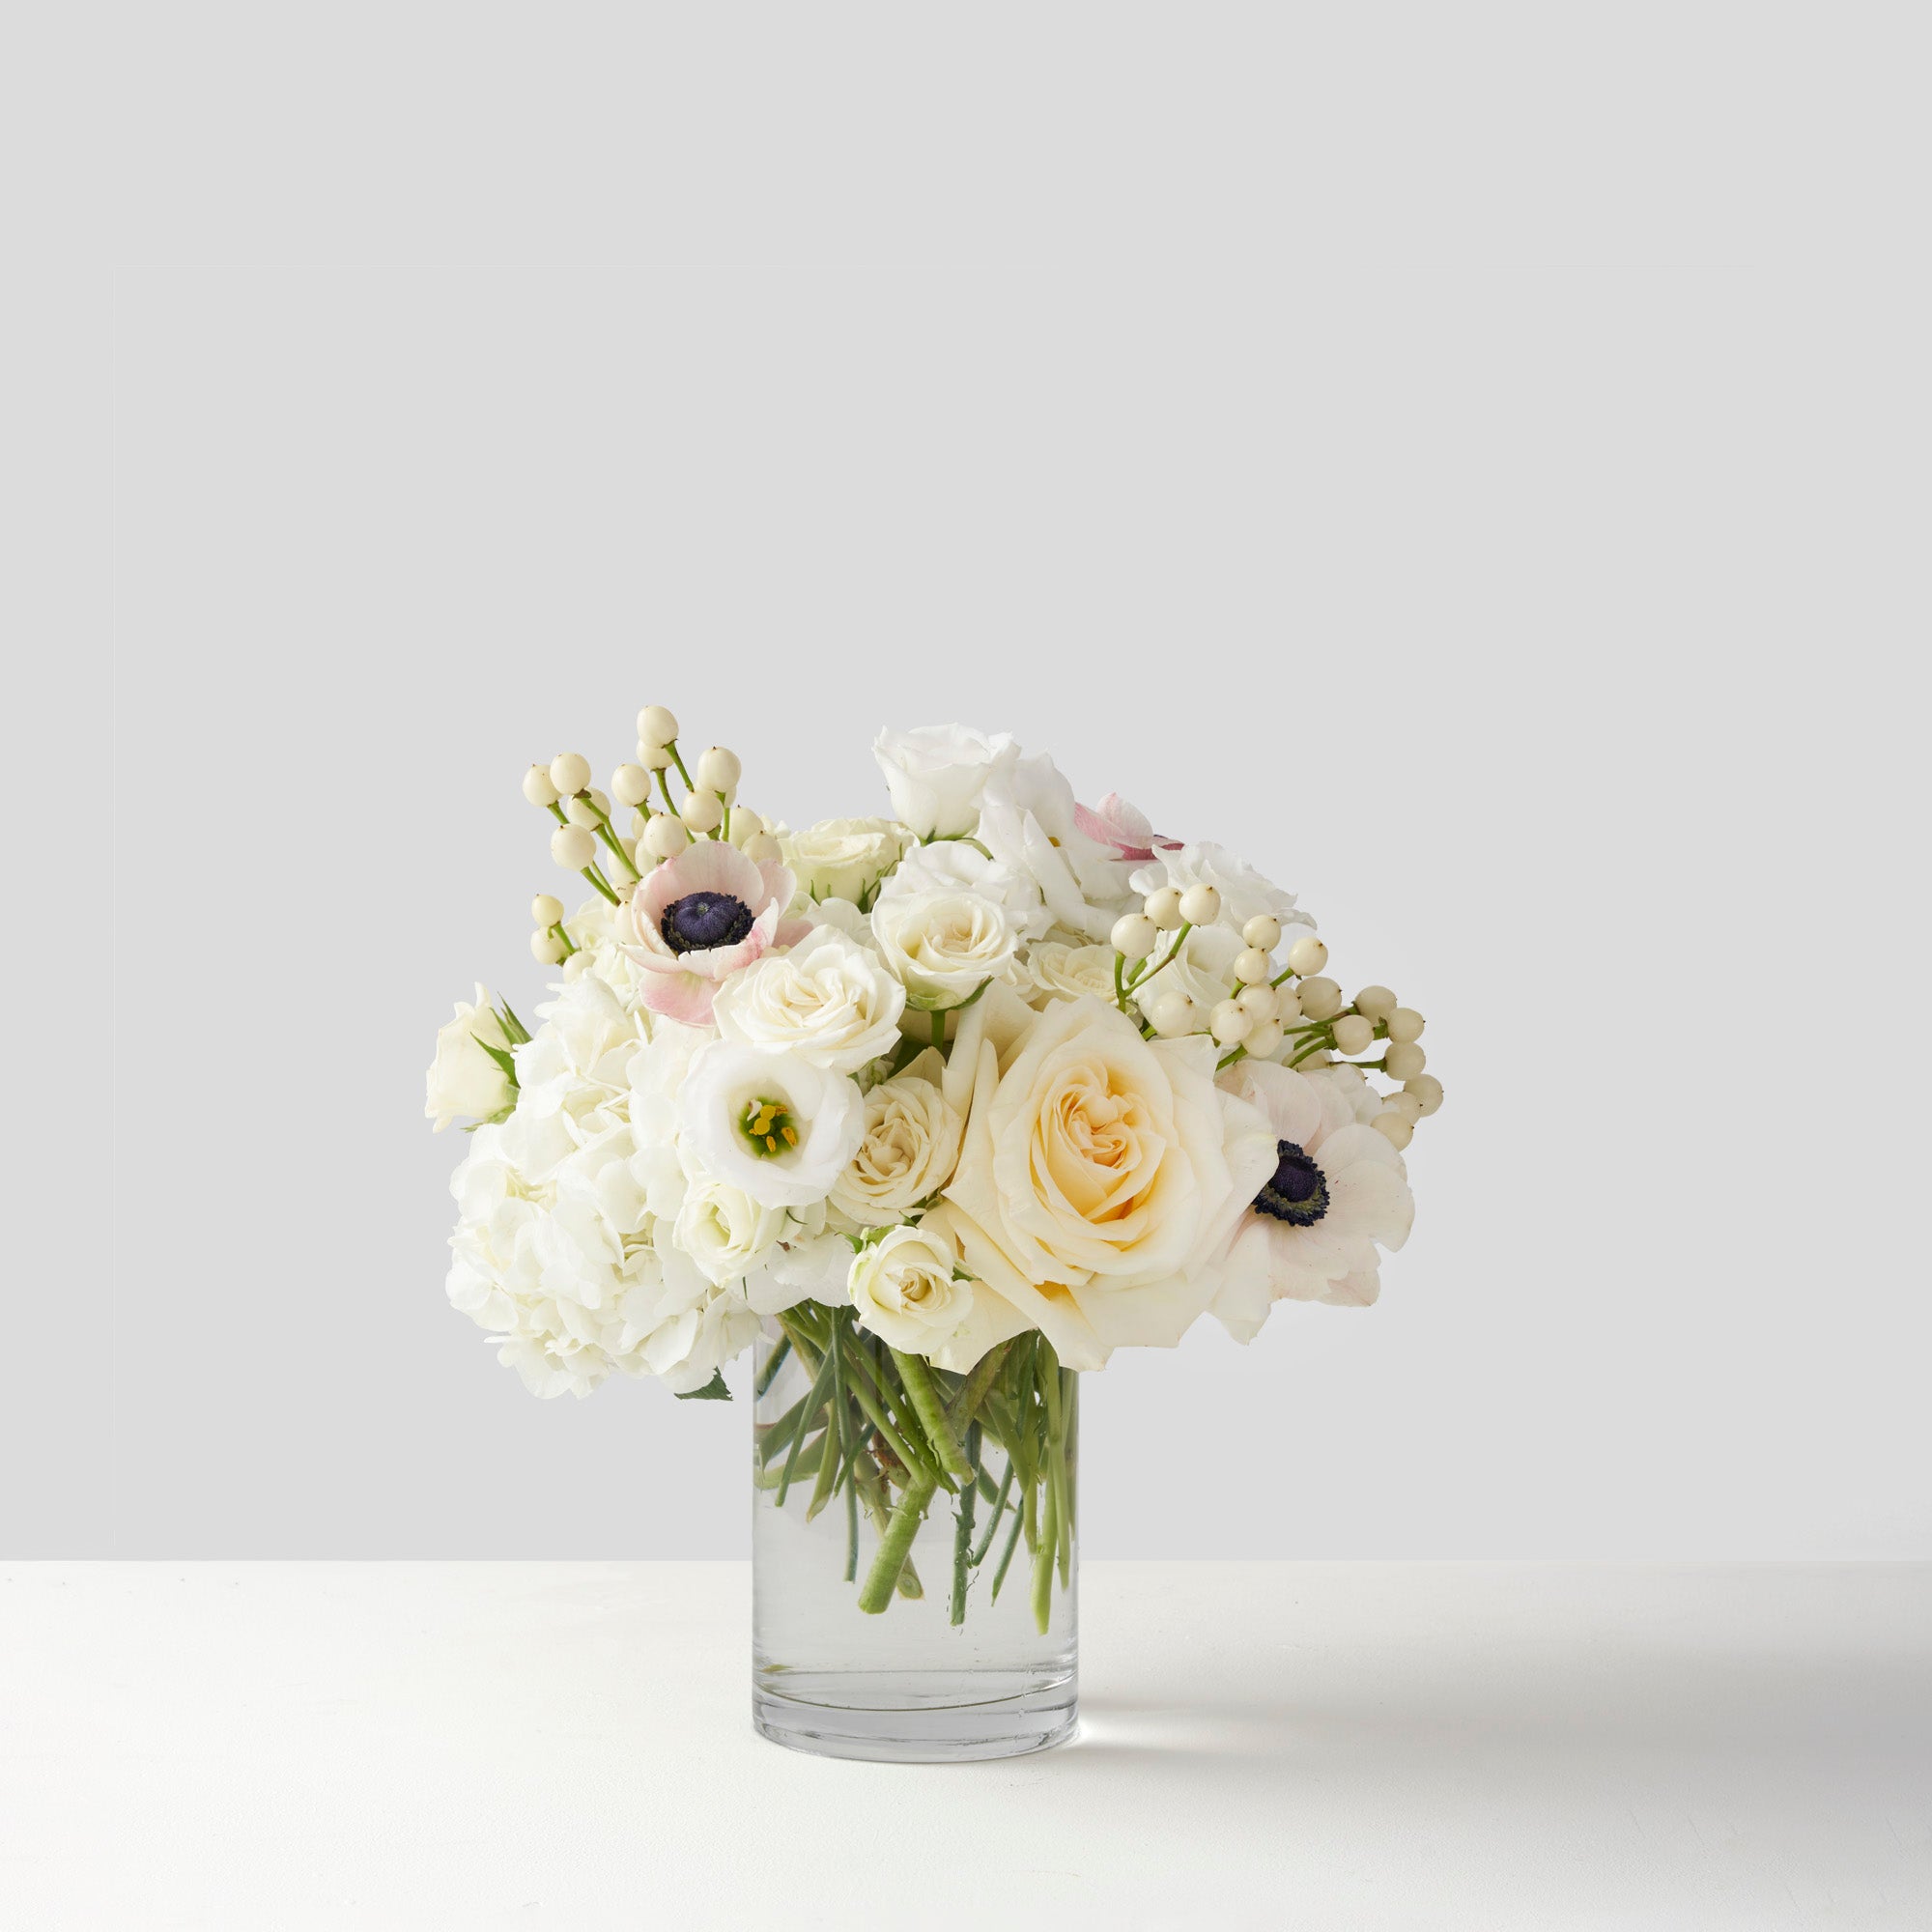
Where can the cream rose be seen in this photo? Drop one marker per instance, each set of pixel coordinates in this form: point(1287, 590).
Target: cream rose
point(827, 1000)
point(1062, 972)
point(1097, 1174)
point(465, 1082)
point(844, 858)
point(722, 1230)
point(903, 1290)
point(910, 1147)
point(944, 947)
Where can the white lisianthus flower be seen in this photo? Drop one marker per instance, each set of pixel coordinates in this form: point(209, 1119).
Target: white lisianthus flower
point(903, 1290)
point(1098, 1172)
point(844, 858)
point(942, 947)
point(771, 1123)
point(910, 1147)
point(1244, 892)
point(1028, 822)
point(936, 773)
point(1062, 972)
point(827, 1000)
point(1338, 1191)
point(464, 1082)
point(722, 1230)
point(955, 866)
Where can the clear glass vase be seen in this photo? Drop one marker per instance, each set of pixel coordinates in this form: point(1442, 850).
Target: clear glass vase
point(914, 1553)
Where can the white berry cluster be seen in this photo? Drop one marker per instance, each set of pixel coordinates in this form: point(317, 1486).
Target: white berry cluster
point(1292, 1014)
point(587, 841)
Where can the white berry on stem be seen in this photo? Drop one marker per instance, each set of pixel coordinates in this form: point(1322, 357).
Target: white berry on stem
point(1135, 936)
point(1308, 954)
point(1263, 930)
point(1201, 906)
point(1164, 909)
point(537, 788)
point(572, 847)
point(569, 773)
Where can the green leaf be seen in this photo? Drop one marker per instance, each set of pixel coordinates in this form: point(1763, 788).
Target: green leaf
point(519, 1032)
point(499, 1056)
point(713, 1391)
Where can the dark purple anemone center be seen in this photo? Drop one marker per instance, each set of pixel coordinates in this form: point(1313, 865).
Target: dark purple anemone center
point(1296, 1192)
point(701, 920)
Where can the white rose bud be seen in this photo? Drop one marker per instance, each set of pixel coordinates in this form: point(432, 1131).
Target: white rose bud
point(1201, 906)
point(546, 909)
point(1307, 955)
point(630, 784)
point(569, 772)
point(572, 847)
point(655, 726)
point(664, 838)
point(537, 788)
point(718, 770)
point(1135, 936)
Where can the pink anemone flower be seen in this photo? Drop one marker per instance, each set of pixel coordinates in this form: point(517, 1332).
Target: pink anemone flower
point(1125, 831)
point(699, 917)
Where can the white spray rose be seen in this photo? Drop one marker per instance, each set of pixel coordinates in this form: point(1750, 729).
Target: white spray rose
point(1067, 972)
point(954, 865)
point(828, 999)
point(770, 1123)
point(910, 1147)
point(944, 947)
point(903, 1290)
point(465, 1082)
point(841, 857)
point(722, 1230)
point(936, 773)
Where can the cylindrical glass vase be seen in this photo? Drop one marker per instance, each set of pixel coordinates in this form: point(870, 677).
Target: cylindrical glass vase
point(914, 1549)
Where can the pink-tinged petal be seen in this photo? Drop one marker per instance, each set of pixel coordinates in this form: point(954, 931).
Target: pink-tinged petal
point(780, 886)
point(711, 866)
point(679, 996)
point(792, 932)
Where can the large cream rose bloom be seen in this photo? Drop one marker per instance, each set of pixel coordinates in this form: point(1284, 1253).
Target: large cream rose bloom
point(1099, 1174)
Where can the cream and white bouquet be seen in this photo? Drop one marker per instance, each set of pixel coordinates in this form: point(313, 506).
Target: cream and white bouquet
point(962, 1099)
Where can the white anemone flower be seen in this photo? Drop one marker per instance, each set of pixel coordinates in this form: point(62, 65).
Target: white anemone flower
point(1339, 1191)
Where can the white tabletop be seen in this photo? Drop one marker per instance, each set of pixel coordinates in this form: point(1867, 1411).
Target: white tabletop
point(1339, 1744)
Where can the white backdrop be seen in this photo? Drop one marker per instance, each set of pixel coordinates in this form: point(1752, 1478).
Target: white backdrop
point(1502, 541)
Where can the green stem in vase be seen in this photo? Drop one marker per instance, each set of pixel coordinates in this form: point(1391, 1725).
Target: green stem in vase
point(875, 1415)
point(882, 1578)
point(769, 1374)
point(965, 1405)
point(842, 1409)
point(829, 1465)
point(813, 1403)
point(999, 1501)
point(1012, 1544)
point(931, 1414)
point(1043, 1562)
point(871, 1487)
point(962, 1527)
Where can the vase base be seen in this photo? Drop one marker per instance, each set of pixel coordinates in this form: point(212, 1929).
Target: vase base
point(914, 1717)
